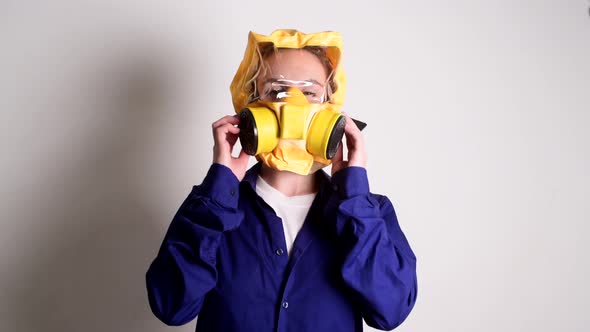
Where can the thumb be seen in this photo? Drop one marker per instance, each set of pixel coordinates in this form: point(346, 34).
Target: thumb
point(337, 162)
point(243, 157)
point(338, 156)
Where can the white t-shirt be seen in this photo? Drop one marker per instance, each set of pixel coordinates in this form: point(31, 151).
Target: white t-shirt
point(292, 210)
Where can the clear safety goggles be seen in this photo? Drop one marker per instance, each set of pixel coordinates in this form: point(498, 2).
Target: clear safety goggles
point(277, 89)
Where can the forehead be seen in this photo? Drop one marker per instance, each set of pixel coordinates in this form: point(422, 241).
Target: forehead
point(293, 64)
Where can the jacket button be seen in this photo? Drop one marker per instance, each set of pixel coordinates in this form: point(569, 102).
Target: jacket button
point(232, 192)
point(285, 304)
point(279, 252)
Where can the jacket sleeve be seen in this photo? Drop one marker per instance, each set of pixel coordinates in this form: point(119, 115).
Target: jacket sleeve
point(184, 270)
point(379, 267)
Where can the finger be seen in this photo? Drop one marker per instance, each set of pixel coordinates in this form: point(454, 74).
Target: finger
point(232, 135)
point(338, 156)
point(225, 132)
point(351, 129)
point(226, 119)
point(354, 137)
point(227, 128)
point(337, 162)
point(231, 129)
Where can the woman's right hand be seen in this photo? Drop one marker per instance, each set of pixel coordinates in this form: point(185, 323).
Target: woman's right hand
point(225, 135)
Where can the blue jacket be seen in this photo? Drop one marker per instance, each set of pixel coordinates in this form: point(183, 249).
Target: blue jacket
point(224, 258)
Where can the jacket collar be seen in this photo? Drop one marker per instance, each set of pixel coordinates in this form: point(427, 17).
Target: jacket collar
point(325, 184)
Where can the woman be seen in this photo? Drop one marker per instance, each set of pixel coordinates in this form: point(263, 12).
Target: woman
point(283, 246)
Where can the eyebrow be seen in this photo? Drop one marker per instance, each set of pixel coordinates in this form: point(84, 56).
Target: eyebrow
point(274, 79)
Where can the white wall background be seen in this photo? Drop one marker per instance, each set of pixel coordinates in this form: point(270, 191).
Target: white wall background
point(478, 116)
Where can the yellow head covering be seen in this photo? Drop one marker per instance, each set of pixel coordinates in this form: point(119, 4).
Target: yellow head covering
point(242, 86)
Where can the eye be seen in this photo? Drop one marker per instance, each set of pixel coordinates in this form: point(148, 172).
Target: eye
point(314, 97)
point(276, 94)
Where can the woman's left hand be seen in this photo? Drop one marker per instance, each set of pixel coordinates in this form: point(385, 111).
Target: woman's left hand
point(355, 143)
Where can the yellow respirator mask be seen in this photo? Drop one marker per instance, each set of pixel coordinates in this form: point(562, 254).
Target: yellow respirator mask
point(293, 134)
point(290, 123)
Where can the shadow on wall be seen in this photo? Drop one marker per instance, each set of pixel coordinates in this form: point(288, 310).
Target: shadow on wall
point(90, 275)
